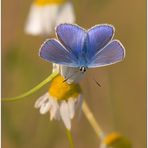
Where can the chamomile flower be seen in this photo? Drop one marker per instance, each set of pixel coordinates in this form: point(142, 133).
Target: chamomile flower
point(62, 100)
point(115, 140)
point(44, 15)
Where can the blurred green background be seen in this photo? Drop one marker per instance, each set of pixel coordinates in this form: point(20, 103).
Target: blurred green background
point(119, 105)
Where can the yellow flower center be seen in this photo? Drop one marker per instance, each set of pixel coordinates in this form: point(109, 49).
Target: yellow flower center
point(46, 2)
point(109, 139)
point(117, 141)
point(62, 90)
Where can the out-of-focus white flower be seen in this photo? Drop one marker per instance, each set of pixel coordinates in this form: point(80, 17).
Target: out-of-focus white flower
point(62, 100)
point(44, 15)
point(115, 140)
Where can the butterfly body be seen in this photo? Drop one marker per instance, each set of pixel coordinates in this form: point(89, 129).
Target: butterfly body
point(80, 48)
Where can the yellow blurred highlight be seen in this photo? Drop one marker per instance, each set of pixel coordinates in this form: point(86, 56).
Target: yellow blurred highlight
point(115, 140)
point(62, 90)
point(109, 139)
point(46, 2)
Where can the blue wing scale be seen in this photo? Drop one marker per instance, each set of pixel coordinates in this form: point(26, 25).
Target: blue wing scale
point(112, 53)
point(53, 51)
point(78, 47)
point(98, 37)
point(72, 37)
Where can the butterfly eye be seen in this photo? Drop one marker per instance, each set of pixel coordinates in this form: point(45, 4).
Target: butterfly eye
point(82, 69)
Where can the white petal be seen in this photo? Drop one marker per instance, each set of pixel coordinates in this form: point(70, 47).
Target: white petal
point(54, 109)
point(55, 67)
point(71, 105)
point(78, 105)
point(41, 100)
point(79, 102)
point(64, 71)
point(34, 23)
point(41, 19)
point(45, 107)
point(74, 75)
point(64, 111)
point(77, 78)
point(66, 14)
point(49, 17)
point(57, 114)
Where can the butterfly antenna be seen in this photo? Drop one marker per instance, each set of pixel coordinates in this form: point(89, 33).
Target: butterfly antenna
point(97, 83)
point(70, 76)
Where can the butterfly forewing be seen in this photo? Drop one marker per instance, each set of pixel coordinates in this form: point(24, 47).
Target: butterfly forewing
point(98, 36)
point(72, 37)
point(53, 51)
point(78, 47)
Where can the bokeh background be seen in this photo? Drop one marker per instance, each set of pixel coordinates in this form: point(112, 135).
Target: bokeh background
point(119, 105)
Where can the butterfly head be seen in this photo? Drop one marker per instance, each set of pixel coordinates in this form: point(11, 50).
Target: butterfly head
point(83, 69)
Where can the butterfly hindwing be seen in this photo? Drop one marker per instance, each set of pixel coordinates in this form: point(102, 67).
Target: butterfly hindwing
point(98, 36)
point(78, 47)
point(112, 53)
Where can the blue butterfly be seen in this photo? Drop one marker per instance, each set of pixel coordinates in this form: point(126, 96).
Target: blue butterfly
point(82, 48)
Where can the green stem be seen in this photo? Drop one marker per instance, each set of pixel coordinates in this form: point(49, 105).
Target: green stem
point(37, 87)
point(90, 117)
point(70, 139)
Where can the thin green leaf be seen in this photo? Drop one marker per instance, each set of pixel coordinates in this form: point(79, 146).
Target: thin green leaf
point(33, 90)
